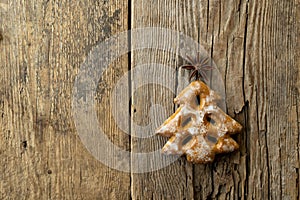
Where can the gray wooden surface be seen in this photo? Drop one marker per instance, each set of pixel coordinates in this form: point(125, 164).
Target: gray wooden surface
point(255, 45)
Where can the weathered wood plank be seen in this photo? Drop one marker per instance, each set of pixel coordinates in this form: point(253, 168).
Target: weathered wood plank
point(270, 74)
point(273, 82)
point(43, 45)
point(249, 45)
point(220, 28)
point(174, 181)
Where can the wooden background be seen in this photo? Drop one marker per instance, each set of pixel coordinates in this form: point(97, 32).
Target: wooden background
point(42, 44)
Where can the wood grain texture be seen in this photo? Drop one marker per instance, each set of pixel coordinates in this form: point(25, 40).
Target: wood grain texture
point(174, 181)
point(255, 45)
point(44, 43)
point(241, 37)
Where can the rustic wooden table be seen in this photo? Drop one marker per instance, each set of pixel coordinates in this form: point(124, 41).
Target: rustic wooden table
point(255, 45)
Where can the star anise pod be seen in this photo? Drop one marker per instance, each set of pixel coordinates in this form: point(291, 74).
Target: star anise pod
point(199, 66)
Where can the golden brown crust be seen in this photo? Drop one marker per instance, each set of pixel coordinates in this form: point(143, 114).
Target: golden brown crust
point(199, 129)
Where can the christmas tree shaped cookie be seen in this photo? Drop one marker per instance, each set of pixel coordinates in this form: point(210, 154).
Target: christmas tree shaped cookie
point(199, 129)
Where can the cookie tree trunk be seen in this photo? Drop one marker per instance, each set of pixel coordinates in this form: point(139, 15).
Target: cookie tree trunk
point(42, 44)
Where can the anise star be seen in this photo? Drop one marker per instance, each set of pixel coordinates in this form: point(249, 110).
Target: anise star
point(199, 65)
